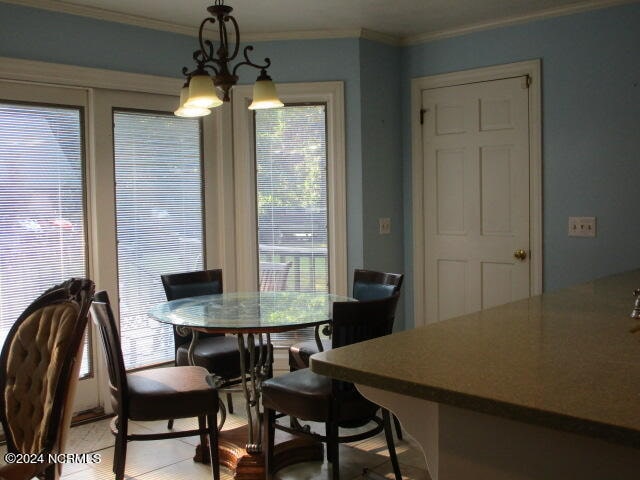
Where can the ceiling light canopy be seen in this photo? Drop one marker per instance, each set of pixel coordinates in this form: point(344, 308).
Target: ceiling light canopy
point(213, 71)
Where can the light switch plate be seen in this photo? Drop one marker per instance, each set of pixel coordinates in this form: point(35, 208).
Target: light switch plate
point(582, 226)
point(384, 225)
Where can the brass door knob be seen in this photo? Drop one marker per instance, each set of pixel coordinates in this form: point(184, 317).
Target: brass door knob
point(520, 254)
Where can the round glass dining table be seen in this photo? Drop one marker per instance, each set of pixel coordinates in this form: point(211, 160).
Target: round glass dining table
point(249, 312)
point(252, 317)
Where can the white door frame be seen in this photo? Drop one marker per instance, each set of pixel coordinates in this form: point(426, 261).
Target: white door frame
point(530, 68)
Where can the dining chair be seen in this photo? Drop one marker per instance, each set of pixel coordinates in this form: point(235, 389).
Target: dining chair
point(218, 353)
point(154, 394)
point(214, 351)
point(274, 275)
point(367, 285)
point(39, 371)
point(308, 396)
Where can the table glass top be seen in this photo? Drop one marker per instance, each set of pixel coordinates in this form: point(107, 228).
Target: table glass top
point(249, 311)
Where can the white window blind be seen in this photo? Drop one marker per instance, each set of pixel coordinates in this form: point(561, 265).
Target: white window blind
point(42, 219)
point(159, 222)
point(291, 175)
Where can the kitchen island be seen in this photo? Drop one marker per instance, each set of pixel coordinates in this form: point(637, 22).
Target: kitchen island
point(543, 388)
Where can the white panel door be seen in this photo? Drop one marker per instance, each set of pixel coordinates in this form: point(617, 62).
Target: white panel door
point(476, 183)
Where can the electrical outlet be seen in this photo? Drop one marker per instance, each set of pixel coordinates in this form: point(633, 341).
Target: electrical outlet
point(384, 225)
point(582, 226)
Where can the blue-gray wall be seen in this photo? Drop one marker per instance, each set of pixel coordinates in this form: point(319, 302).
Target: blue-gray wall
point(591, 130)
point(381, 153)
point(591, 117)
point(47, 36)
point(381, 157)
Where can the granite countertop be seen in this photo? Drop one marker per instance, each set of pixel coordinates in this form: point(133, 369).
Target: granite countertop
point(565, 360)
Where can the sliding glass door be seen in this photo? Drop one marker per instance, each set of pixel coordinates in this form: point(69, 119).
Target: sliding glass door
point(159, 221)
point(43, 222)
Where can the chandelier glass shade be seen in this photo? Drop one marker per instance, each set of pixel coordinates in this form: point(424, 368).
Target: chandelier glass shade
point(185, 111)
point(209, 84)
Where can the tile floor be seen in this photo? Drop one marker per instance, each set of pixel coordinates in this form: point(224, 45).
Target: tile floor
point(172, 459)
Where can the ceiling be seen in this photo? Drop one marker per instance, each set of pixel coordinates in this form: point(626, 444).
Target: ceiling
point(396, 19)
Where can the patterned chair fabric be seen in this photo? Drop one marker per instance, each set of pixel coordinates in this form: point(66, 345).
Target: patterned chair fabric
point(39, 364)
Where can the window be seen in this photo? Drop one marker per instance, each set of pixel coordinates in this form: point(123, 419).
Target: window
point(290, 198)
point(291, 190)
point(159, 221)
point(42, 213)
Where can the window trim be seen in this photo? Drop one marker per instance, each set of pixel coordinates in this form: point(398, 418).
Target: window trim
point(244, 188)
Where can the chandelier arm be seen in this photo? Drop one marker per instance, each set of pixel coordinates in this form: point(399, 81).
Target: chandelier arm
point(212, 68)
point(208, 55)
point(237, 36)
point(201, 67)
point(206, 46)
point(247, 61)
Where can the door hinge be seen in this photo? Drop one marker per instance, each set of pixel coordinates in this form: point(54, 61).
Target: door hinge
point(422, 112)
point(526, 81)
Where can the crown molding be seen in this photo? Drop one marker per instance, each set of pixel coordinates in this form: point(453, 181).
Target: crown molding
point(380, 37)
point(324, 34)
point(71, 75)
point(516, 20)
point(192, 31)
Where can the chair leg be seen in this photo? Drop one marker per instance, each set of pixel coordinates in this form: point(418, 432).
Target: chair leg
point(269, 441)
point(211, 421)
point(120, 453)
point(388, 433)
point(229, 403)
point(327, 429)
point(170, 424)
point(204, 431)
point(398, 427)
point(333, 449)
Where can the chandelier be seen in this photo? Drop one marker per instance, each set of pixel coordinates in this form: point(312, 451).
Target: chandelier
point(214, 71)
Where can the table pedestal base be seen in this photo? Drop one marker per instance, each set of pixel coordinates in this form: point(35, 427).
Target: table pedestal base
point(290, 449)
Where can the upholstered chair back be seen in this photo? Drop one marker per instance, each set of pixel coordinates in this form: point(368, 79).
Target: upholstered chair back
point(40, 362)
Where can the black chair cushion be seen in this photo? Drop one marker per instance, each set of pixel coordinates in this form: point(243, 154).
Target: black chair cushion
point(307, 396)
point(299, 353)
point(218, 354)
point(174, 392)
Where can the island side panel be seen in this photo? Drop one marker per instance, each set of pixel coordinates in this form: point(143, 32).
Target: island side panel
point(417, 417)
